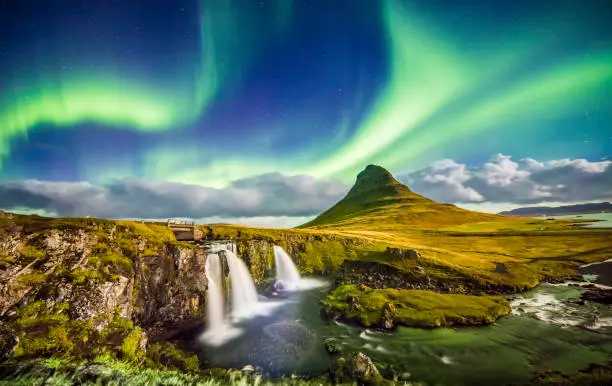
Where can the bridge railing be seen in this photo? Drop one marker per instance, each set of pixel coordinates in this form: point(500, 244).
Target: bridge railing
point(180, 223)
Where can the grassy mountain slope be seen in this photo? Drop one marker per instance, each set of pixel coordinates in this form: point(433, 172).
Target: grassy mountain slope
point(378, 201)
point(381, 210)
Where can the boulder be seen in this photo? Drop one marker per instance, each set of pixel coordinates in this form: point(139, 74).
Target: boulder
point(389, 314)
point(598, 295)
point(501, 268)
point(353, 303)
point(8, 342)
point(333, 346)
point(403, 254)
point(361, 368)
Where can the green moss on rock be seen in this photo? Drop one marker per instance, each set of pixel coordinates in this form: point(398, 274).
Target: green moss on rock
point(167, 356)
point(417, 308)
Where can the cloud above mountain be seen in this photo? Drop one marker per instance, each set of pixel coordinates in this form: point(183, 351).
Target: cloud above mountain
point(274, 199)
point(502, 179)
point(261, 196)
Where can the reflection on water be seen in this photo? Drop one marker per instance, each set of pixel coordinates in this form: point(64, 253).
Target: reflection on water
point(549, 329)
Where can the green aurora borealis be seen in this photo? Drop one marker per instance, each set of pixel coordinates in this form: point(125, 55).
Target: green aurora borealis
point(434, 89)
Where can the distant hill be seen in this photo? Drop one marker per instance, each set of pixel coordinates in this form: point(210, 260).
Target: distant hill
point(378, 201)
point(533, 211)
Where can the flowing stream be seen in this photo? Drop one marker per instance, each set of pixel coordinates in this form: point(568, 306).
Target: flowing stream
point(549, 329)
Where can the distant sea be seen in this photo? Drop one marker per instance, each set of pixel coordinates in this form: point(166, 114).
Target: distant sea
point(606, 219)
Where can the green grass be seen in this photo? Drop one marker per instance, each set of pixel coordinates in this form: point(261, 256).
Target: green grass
point(111, 262)
point(29, 253)
point(166, 356)
point(414, 307)
point(32, 278)
point(105, 370)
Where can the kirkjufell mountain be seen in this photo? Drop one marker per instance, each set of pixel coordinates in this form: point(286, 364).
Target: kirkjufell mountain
point(377, 200)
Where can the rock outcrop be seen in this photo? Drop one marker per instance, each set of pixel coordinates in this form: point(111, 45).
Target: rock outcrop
point(403, 254)
point(598, 295)
point(360, 367)
point(93, 274)
point(8, 341)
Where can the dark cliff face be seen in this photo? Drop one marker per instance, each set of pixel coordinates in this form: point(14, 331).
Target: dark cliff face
point(99, 281)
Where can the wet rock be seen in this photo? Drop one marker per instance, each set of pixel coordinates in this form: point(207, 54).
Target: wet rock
point(598, 295)
point(360, 367)
point(333, 346)
point(353, 303)
point(8, 342)
point(389, 314)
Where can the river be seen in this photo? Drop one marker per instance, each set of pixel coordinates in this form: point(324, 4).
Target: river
point(548, 329)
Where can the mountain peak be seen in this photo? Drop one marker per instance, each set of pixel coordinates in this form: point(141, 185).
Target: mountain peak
point(378, 199)
point(375, 178)
point(375, 174)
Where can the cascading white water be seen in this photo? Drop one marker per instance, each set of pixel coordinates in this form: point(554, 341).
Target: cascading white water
point(214, 295)
point(219, 330)
point(286, 272)
point(244, 299)
point(244, 294)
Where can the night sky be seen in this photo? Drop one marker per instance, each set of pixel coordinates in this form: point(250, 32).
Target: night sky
point(268, 109)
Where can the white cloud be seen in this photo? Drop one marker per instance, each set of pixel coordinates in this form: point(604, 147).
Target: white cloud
point(260, 198)
point(504, 181)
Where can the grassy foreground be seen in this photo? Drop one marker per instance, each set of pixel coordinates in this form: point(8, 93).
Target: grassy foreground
point(106, 371)
point(415, 308)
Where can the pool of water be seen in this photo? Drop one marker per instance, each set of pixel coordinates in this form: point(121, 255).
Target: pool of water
point(605, 219)
point(548, 329)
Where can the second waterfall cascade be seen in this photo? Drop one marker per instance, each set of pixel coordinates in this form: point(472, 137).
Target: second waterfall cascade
point(287, 276)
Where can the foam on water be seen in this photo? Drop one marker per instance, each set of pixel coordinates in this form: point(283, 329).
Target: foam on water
point(381, 349)
point(595, 263)
point(365, 335)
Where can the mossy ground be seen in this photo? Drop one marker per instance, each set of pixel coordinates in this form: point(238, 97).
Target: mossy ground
point(414, 308)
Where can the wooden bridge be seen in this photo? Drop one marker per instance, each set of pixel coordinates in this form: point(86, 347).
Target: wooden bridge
point(184, 230)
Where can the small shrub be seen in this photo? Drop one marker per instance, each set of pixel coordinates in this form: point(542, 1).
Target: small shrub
point(167, 356)
point(80, 275)
point(29, 253)
point(32, 279)
point(129, 348)
point(114, 262)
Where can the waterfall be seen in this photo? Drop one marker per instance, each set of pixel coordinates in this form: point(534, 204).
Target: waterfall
point(287, 275)
point(218, 330)
point(214, 295)
point(244, 299)
point(244, 294)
